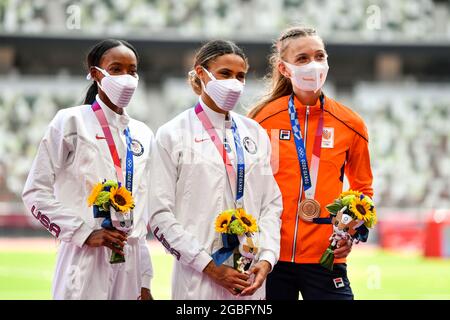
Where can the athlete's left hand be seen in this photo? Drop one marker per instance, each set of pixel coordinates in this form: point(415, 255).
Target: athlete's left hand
point(146, 294)
point(344, 247)
point(260, 270)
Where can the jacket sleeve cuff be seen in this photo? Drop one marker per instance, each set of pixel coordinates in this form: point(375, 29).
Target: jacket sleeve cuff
point(269, 256)
point(146, 281)
point(201, 261)
point(81, 234)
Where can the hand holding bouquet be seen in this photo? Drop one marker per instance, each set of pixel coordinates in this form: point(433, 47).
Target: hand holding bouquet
point(237, 229)
point(115, 204)
point(351, 216)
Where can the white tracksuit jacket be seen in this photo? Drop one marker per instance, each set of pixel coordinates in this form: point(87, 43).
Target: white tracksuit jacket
point(189, 188)
point(72, 157)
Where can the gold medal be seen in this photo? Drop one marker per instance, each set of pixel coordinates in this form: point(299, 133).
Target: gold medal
point(309, 209)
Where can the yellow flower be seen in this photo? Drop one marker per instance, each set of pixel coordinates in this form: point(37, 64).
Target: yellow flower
point(121, 199)
point(223, 221)
point(247, 220)
point(374, 219)
point(361, 210)
point(94, 194)
point(350, 192)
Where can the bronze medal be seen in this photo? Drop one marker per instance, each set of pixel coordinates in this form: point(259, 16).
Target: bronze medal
point(309, 209)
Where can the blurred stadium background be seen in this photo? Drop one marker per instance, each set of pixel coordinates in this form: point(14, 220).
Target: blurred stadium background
point(389, 61)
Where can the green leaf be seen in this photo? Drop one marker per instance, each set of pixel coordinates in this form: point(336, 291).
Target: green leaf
point(334, 207)
point(327, 259)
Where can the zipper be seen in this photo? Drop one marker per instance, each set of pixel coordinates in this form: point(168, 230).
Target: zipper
point(294, 248)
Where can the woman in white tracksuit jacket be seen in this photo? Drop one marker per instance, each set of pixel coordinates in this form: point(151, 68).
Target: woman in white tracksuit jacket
point(74, 156)
point(189, 184)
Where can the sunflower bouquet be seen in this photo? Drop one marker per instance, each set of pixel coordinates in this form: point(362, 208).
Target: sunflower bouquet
point(114, 203)
point(238, 230)
point(352, 214)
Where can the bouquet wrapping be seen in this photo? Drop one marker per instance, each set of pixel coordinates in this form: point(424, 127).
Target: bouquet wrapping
point(352, 214)
point(114, 203)
point(238, 230)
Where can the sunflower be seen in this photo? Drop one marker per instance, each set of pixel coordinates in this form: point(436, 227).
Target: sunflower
point(361, 210)
point(350, 192)
point(247, 220)
point(223, 221)
point(94, 194)
point(121, 199)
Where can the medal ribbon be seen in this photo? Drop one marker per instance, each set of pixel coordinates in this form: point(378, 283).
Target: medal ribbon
point(100, 115)
point(233, 179)
point(309, 179)
point(113, 150)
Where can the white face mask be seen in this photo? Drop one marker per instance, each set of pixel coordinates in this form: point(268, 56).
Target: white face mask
point(225, 93)
point(119, 89)
point(309, 77)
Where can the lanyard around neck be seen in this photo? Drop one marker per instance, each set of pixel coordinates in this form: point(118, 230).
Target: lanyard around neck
point(309, 179)
point(233, 178)
point(100, 115)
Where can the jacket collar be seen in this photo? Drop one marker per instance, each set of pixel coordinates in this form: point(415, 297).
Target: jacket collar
point(218, 120)
point(299, 105)
point(120, 121)
point(313, 109)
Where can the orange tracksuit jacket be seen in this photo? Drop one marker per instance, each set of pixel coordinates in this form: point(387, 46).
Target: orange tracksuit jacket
point(344, 150)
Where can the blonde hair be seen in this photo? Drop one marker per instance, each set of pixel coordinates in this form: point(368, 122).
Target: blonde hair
point(279, 85)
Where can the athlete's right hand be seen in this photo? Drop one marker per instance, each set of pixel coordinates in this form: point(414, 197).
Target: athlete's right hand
point(113, 239)
point(227, 277)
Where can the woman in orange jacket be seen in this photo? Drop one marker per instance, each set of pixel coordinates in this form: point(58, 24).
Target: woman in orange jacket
point(315, 141)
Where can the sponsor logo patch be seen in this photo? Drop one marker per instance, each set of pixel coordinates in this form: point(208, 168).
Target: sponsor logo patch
point(285, 134)
point(328, 138)
point(338, 283)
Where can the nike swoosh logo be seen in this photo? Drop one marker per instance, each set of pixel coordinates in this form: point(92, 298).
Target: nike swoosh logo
point(99, 138)
point(200, 140)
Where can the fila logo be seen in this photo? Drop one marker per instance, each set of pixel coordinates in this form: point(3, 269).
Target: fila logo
point(338, 283)
point(166, 244)
point(45, 221)
point(285, 134)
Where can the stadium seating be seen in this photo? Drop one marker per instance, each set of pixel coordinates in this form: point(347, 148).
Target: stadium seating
point(420, 19)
